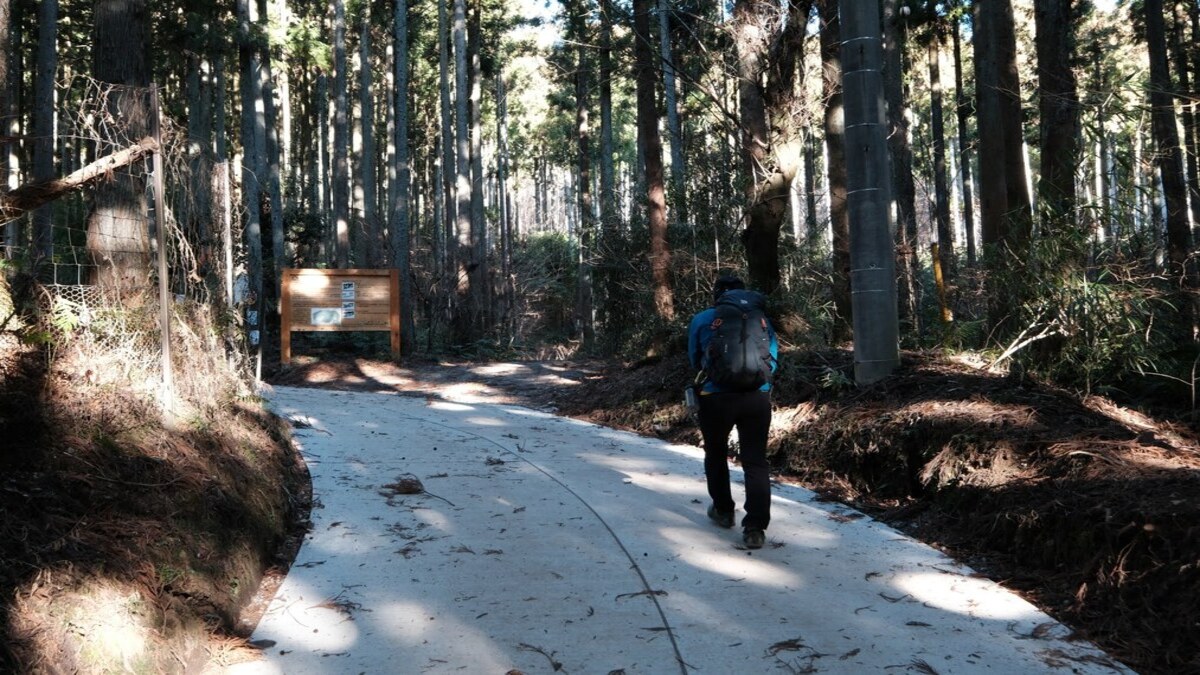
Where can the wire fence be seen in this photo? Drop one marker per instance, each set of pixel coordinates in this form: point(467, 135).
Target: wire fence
point(94, 250)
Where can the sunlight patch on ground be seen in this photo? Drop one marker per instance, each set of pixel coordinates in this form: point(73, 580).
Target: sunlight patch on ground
point(977, 598)
point(727, 561)
point(452, 407)
point(319, 623)
point(963, 412)
point(486, 422)
point(499, 369)
point(416, 625)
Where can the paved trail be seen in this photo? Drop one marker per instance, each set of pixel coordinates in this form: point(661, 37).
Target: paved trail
point(542, 544)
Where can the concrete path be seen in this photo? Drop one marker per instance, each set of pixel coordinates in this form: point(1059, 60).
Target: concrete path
point(540, 544)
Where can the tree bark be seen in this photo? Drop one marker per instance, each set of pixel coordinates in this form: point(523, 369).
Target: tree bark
point(963, 112)
point(401, 244)
point(118, 236)
point(904, 191)
point(195, 209)
point(768, 50)
point(1012, 120)
point(1188, 104)
point(679, 196)
point(252, 150)
point(1058, 103)
point(835, 150)
point(373, 228)
point(8, 126)
point(872, 256)
point(341, 138)
point(43, 124)
point(611, 244)
point(271, 145)
point(5, 80)
point(449, 217)
point(941, 192)
point(587, 229)
point(1169, 155)
point(481, 295)
point(506, 240)
point(464, 316)
point(648, 139)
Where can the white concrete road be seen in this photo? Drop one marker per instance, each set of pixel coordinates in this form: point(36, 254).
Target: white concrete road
point(542, 544)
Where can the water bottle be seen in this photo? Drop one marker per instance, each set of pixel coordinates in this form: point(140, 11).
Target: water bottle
point(691, 401)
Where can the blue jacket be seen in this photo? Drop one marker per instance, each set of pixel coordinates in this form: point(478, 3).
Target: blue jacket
point(700, 332)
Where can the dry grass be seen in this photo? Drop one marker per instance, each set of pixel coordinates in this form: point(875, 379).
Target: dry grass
point(133, 527)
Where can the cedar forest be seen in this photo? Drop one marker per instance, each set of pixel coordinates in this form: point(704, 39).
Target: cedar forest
point(1011, 183)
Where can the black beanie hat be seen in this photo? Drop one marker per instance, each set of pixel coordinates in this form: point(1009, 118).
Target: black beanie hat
point(726, 283)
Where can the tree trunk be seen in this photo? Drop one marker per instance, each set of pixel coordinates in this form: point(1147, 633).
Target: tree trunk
point(506, 241)
point(611, 246)
point(679, 196)
point(324, 166)
point(608, 205)
point(372, 227)
point(1170, 158)
point(252, 151)
point(904, 191)
point(1188, 104)
point(449, 217)
point(9, 126)
point(194, 208)
point(816, 233)
point(584, 301)
point(398, 230)
point(118, 236)
point(480, 284)
point(6, 80)
point(941, 211)
point(835, 150)
point(43, 125)
point(341, 137)
point(221, 178)
point(648, 139)
point(1012, 120)
point(992, 177)
point(963, 112)
point(270, 142)
point(872, 257)
point(1058, 103)
point(464, 319)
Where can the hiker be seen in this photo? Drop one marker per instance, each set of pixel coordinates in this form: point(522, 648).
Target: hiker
point(733, 344)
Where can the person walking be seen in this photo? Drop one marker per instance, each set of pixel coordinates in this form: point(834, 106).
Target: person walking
point(734, 346)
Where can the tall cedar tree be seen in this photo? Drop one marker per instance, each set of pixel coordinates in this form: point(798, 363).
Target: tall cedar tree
point(650, 143)
point(768, 47)
point(118, 235)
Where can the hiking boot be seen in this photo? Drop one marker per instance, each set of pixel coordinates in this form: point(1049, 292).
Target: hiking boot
point(754, 538)
point(721, 518)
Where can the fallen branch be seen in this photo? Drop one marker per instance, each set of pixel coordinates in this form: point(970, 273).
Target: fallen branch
point(1022, 342)
point(32, 195)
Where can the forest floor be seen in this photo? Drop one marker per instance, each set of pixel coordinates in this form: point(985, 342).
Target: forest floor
point(1085, 507)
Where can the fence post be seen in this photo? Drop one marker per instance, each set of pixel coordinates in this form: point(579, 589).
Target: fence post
point(160, 240)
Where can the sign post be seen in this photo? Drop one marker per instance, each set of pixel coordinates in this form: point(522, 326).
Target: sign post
point(339, 300)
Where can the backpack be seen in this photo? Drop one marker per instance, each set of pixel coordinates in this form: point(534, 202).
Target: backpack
point(738, 357)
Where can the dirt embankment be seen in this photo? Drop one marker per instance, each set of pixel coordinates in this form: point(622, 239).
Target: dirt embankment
point(1086, 507)
point(129, 542)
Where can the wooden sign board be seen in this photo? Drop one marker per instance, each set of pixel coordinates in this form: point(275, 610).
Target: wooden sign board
point(339, 300)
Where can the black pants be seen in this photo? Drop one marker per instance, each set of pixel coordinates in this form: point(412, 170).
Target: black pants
point(750, 412)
